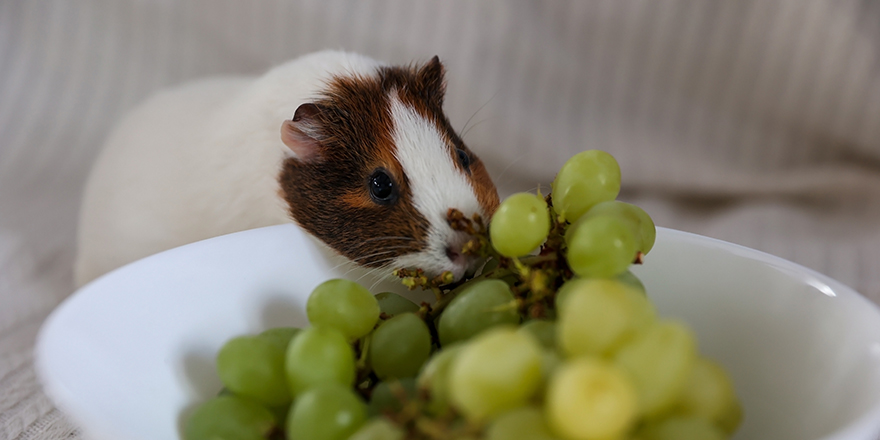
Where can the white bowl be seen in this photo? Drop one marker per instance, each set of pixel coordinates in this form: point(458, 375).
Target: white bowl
point(130, 353)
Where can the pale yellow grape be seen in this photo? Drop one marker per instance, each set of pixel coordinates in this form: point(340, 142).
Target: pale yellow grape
point(659, 360)
point(520, 224)
point(526, 423)
point(709, 394)
point(378, 429)
point(434, 377)
point(599, 314)
point(590, 399)
point(587, 178)
point(565, 290)
point(497, 371)
point(692, 428)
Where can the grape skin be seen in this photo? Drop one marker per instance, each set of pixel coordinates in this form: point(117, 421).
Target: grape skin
point(481, 305)
point(496, 372)
point(318, 356)
point(393, 304)
point(344, 305)
point(641, 223)
point(526, 423)
point(600, 247)
point(378, 429)
point(587, 178)
point(542, 330)
point(399, 347)
point(253, 367)
point(590, 399)
point(280, 336)
point(659, 360)
point(709, 394)
point(229, 418)
point(598, 315)
point(520, 224)
point(327, 412)
point(434, 377)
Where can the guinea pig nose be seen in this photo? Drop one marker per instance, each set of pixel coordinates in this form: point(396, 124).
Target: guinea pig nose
point(452, 254)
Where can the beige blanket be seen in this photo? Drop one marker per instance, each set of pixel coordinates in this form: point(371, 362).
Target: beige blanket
point(753, 121)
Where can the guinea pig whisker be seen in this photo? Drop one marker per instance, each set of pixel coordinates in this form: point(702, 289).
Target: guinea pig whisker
point(466, 129)
point(372, 271)
point(375, 254)
point(510, 165)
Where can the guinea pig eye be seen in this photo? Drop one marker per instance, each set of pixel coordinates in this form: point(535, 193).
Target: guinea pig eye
point(382, 189)
point(464, 159)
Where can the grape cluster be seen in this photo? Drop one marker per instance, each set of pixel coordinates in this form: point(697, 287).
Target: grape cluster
point(554, 339)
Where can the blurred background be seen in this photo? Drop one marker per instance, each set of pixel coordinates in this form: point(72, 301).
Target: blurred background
point(754, 121)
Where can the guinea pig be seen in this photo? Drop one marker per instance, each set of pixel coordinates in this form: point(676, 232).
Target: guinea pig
point(358, 153)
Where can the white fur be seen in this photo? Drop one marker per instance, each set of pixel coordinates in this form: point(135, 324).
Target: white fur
point(437, 185)
point(196, 162)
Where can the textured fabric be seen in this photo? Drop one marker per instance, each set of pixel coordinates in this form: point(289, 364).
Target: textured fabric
point(753, 121)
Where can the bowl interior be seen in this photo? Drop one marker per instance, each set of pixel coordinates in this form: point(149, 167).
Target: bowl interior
point(130, 354)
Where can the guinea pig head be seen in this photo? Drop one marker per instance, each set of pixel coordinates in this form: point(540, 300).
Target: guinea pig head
point(376, 166)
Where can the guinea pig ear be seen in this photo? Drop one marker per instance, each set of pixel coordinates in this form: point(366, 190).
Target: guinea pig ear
point(302, 133)
point(432, 78)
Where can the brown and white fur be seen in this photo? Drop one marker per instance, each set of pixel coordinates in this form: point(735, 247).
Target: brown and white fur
point(207, 159)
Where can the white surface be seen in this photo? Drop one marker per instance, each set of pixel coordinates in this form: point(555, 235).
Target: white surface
point(127, 355)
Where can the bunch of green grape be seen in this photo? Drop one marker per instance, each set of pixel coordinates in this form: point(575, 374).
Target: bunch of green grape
point(554, 339)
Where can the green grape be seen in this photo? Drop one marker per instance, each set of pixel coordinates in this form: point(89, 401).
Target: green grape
point(659, 359)
point(543, 331)
point(600, 247)
point(434, 377)
point(709, 394)
point(400, 346)
point(550, 362)
point(479, 306)
point(280, 336)
point(633, 281)
point(496, 372)
point(520, 225)
point(731, 419)
point(526, 423)
point(491, 264)
point(253, 367)
point(590, 399)
point(598, 315)
point(690, 428)
point(642, 224)
point(587, 178)
point(390, 395)
point(344, 305)
point(393, 304)
point(229, 418)
point(564, 291)
point(378, 429)
point(327, 412)
point(317, 356)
